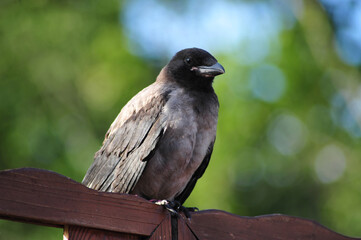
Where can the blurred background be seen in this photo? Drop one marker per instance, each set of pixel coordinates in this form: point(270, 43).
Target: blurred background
point(289, 136)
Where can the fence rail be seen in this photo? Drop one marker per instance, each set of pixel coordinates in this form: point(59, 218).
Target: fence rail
point(47, 198)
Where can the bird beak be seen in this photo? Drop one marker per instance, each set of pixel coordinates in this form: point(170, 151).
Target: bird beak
point(209, 71)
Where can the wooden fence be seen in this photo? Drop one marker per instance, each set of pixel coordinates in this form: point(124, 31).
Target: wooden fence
point(42, 197)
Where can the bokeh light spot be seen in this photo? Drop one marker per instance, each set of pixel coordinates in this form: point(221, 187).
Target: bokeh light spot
point(347, 112)
point(267, 83)
point(330, 163)
point(287, 134)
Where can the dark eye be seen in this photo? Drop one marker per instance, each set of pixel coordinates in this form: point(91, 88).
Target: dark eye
point(188, 60)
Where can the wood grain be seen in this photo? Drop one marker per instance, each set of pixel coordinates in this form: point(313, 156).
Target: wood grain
point(163, 231)
point(81, 233)
point(44, 197)
point(215, 224)
point(184, 232)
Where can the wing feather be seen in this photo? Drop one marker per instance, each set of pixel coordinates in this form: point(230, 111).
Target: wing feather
point(131, 138)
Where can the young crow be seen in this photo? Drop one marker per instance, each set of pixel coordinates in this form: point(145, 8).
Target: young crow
point(161, 142)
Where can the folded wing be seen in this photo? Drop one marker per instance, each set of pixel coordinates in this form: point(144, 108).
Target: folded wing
point(129, 143)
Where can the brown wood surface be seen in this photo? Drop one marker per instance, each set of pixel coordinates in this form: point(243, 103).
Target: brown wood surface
point(44, 197)
point(215, 224)
point(82, 233)
point(184, 232)
point(163, 231)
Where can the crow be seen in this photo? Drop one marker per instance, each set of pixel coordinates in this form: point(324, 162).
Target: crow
point(161, 142)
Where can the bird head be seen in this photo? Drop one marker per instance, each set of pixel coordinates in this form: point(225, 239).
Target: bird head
point(194, 67)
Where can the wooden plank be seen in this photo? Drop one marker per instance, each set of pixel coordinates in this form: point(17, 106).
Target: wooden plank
point(214, 224)
point(163, 231)
point(44, 197)
point(184, 232)
point(82, 233)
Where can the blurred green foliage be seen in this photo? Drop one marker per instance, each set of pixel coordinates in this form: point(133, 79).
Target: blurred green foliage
point(66, 71)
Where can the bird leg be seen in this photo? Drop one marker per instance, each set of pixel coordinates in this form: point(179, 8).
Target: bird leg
point(174, 207)
point(187, 210)
point(170, 206)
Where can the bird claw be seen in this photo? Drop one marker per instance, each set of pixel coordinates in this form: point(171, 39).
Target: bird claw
point(168, 205)
point(160, 202)
point(187, 211)
point(174, 207)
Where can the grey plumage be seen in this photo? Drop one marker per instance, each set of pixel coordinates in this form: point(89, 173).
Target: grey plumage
point(161, 142)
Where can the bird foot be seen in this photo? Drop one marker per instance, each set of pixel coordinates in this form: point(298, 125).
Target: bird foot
point(174, 207)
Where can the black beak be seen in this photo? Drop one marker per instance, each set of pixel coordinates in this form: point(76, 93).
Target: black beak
point(209, 71)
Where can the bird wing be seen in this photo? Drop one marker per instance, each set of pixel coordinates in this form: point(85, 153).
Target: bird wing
point(197, 174)
point(129, 143)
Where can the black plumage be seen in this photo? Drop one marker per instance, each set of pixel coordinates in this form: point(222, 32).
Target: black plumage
point(161, 142)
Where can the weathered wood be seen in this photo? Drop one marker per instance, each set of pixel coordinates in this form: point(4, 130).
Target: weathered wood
point(82, 233)
point(215, 224)
point(44, 197)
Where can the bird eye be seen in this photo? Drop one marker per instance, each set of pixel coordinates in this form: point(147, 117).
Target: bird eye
point(188, 60)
